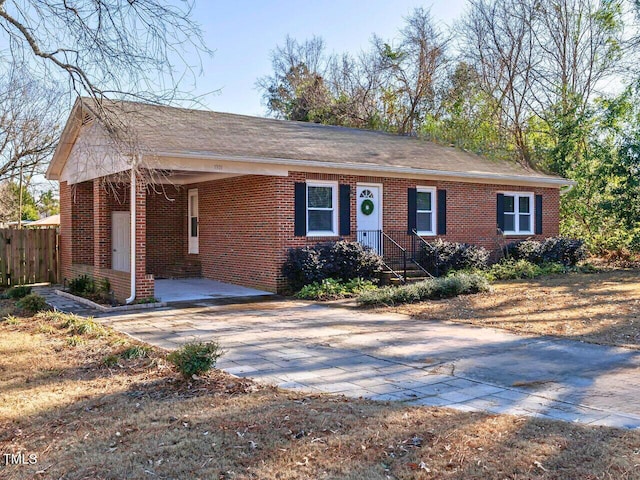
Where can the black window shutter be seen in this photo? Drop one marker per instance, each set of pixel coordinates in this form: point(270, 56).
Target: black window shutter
point(412, 207)
point(442, 213)
point(300, 210)
point(500, 215)
point(538, 207)
point(345, 210)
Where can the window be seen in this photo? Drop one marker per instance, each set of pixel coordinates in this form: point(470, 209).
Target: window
point(321, 208)
point(518, 213)
point(425, 208)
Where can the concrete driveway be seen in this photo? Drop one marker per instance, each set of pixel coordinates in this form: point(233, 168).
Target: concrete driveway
point(321, 348)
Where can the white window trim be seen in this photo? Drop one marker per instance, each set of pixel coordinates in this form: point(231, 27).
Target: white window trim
point(193, 243)
point(434, 210)
point(334, 203)
point(516, 207)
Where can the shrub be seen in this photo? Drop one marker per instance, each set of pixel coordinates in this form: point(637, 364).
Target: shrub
point(340, 260)
point(82, 285)
point(331, 289)
point(566, 251)
point(18, 292)
point(73, 324)
point(511, 269)
point(104, 286)
point(110, 361)
point(86, 326)
point(195, 358)
point(74, 341)
point(11, 320)
point(137, 351)
point(32, 303)
point(430, 289)
point(440, 257)
point(349, 260)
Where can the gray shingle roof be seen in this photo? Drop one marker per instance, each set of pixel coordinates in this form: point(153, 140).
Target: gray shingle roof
point(163, 130)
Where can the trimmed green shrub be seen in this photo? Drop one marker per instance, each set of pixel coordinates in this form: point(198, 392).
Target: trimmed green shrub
point(195, 358)
point(440, 257)
point(430, 289)
point(511, 269)
point(82, 285)
point(339, 260)
point(32, 303)
point(331, 289)
point(18, 292)
point(567, 251)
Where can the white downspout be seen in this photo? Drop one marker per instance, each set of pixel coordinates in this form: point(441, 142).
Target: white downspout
point(133, 237)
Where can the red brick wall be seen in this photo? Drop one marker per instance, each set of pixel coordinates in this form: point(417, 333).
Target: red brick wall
point(82, 223)
point(238, 242)
point(247, 223)
point(471, 210)
point(166, 228)
point(66, 253)
point(85, 234)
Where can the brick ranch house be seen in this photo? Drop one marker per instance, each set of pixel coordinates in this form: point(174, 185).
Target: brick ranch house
point(231, 194)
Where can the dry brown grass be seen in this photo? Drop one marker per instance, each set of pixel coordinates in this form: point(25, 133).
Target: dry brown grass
point(137, 420)
point(599, 308)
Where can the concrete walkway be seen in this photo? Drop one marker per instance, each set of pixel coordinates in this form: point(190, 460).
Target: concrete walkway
point(321, 348)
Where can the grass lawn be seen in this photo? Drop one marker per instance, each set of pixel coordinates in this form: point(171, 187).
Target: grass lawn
point(601, 308)
point(85, 417)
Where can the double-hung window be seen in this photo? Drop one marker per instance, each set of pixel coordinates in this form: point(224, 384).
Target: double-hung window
point(518, 213)
point(425, 210)
point(322, 212)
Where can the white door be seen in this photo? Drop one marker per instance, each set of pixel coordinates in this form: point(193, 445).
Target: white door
point(194, 246)
point(369, 216)
point(121, 241)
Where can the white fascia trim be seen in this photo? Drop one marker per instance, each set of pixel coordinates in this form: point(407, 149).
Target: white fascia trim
point(471, 177)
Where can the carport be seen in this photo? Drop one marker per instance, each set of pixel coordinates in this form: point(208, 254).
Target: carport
point(188, 289)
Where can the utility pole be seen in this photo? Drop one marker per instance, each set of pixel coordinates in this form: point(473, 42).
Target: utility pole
point(20, 202)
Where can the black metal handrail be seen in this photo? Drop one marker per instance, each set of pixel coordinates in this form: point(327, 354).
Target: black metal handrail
point(418, 244)
point(401, 255)
point(394, 255)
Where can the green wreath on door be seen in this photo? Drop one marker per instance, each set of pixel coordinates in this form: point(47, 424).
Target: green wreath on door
point(367, 207)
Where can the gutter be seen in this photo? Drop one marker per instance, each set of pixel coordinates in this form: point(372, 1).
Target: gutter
point(132, 252)
point(567, 188)
point(367, 167)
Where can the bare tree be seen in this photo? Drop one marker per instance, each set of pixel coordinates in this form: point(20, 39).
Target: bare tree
point(296, 89)
point(106, 49)
point(542, 60)
point(499, 41)
point(413, 70)
point(29, 124)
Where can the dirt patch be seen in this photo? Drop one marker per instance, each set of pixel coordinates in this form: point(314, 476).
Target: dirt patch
point(601, 308)
point(136, 419)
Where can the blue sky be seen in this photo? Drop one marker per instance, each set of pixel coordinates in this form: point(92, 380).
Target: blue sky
point(243, 32)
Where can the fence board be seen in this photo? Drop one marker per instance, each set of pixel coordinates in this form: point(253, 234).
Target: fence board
point(28, 256)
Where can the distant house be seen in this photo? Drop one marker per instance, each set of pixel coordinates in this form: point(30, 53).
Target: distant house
point(233, 193)
point(47, 222)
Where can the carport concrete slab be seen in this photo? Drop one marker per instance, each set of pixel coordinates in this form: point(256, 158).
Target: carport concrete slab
point(190, 289)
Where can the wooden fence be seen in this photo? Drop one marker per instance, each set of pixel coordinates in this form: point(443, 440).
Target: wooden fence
point(28, 256)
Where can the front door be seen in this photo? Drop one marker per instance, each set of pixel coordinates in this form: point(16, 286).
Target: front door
point(194, 246)
point(369, 216)
point(121, 241)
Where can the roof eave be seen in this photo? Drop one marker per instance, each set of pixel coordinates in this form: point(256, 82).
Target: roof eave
point(66, 142)
point(471, 177)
